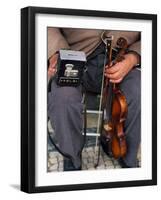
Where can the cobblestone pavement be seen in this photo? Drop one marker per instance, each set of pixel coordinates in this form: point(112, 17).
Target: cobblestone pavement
point(89, 159)
point(89, 153)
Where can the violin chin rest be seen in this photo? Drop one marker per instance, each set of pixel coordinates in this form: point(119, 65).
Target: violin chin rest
point(107, 127)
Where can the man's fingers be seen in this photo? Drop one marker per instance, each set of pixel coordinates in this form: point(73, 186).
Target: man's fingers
point(113, 69)
point(54, 58)
point(51, 70)
point(116, 81)
point(53, 61)
point(115, 76)
point(53, 64)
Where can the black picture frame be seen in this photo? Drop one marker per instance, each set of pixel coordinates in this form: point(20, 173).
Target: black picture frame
point(28, 98)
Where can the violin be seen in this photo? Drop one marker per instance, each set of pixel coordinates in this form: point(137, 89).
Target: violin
point(113, 129)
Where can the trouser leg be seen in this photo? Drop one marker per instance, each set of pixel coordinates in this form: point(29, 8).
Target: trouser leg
point(65, 107)
point(131, 87)
point(65, 113)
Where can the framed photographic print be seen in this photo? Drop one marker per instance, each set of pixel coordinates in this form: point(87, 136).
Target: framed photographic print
point(88, 99)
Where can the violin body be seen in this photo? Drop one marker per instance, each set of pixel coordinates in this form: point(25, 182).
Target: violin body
point(114, 129)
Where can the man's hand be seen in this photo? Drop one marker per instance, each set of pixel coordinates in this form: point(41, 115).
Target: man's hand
point(52, 65)
point(117, 72)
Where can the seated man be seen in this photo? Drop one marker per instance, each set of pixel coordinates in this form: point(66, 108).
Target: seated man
point(64, 103)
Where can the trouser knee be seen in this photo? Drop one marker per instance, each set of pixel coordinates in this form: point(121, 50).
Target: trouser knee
point(131, 87)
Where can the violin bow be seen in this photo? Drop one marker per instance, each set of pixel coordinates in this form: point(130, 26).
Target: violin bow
point(104, 86)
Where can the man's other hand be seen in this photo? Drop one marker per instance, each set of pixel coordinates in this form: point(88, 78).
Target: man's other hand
point(52, 65)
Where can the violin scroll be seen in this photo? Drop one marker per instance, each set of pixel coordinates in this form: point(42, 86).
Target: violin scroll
point(122, 43)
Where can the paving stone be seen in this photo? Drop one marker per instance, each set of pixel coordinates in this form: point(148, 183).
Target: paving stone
point(96, 156)
point(53, 168)
point(53, 160)
point(96, 149)
point(91, 154)
point(49, 164)
point(95, 162)
point(139, 163)
point(105, 157)
point(84, 155)
point(84, 150)
point(118, 167)
point(109, 163)
point(61, 164)
point(85, 161)
point(90, 160)
point(84, 167)
point(101, 167)
point(92, 168)
point(110, 167)
point(53, 154)
point(115, 162)
point(90, 149)
point(50, 148)
point(101, 161)
point(90, 165)
point(60, 158)
point(50, 127)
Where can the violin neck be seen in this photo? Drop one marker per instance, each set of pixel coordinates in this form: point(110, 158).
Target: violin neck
point(109, 50)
